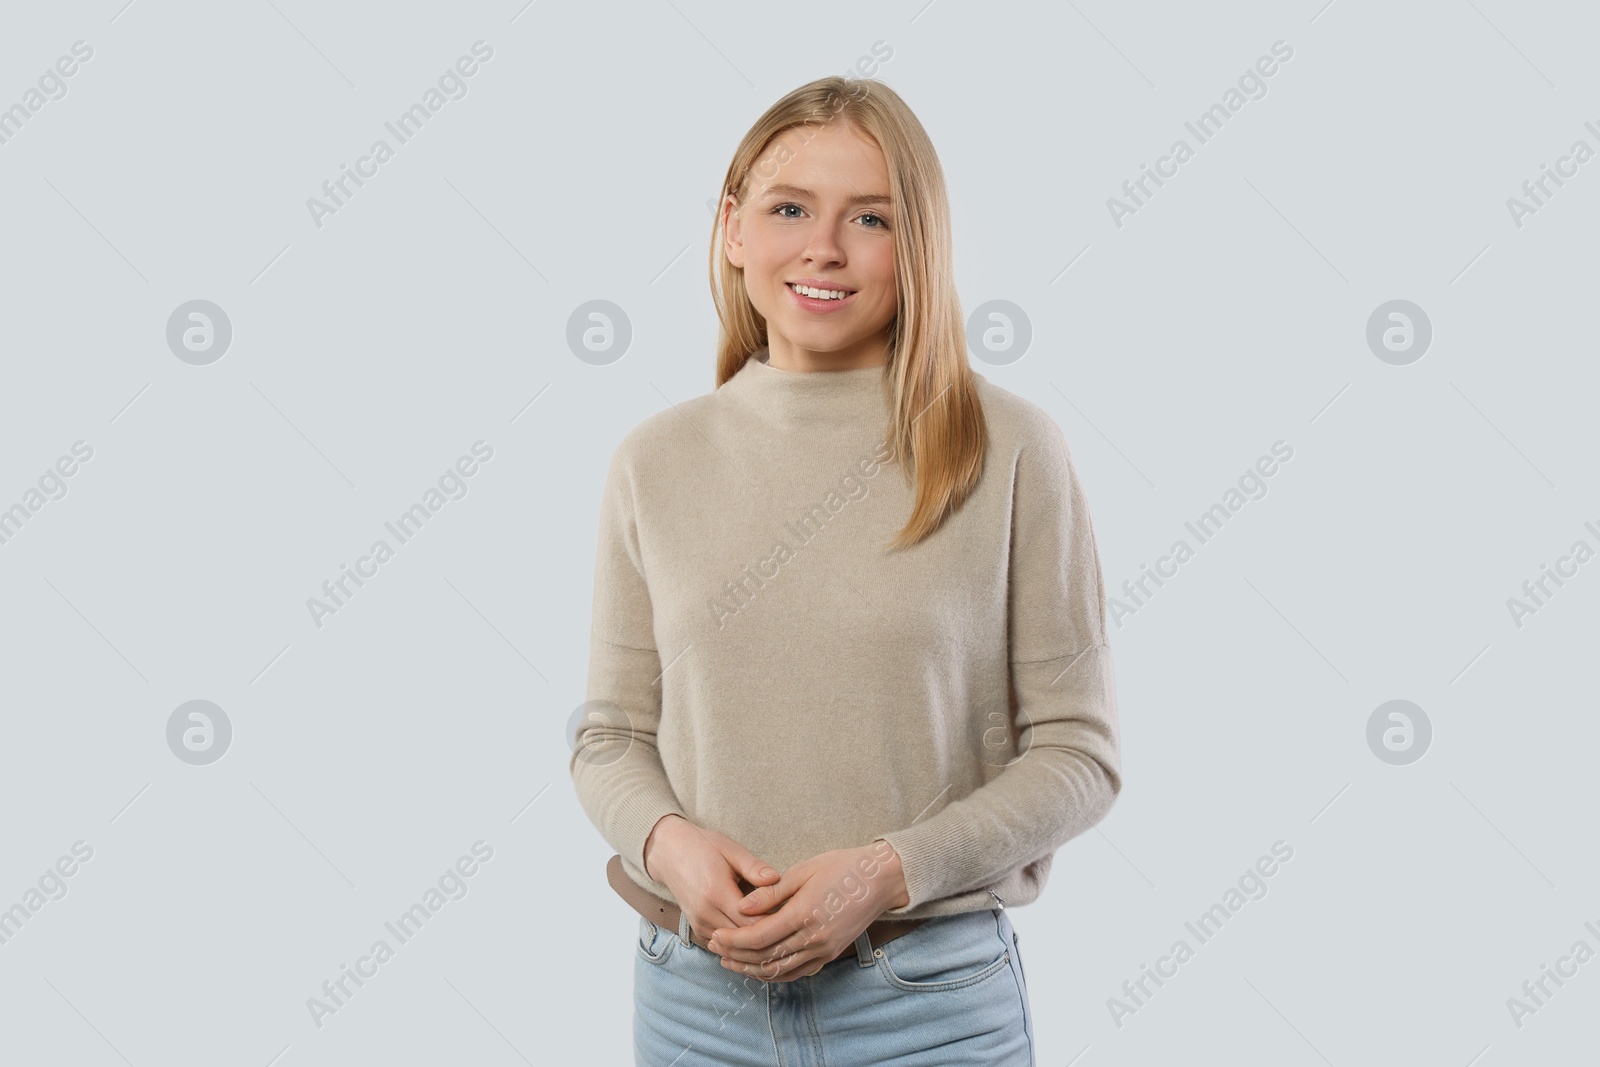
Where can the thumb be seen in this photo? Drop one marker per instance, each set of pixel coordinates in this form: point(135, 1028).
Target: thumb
point(751, 867)
point(760, 872)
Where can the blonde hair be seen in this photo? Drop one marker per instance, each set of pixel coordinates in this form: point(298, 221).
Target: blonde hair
point(937, 424)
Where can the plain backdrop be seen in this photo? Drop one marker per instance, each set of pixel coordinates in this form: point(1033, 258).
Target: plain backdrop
point(370, 349)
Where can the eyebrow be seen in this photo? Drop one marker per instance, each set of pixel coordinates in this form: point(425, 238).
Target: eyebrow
point(783, 189)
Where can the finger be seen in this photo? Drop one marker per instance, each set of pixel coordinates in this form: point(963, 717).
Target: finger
point(705, 927)
point(777, 968)
point(722, 909)
point(751, 867)
point(739, 857)
point(759, 935)
point(758, 871)
point(715, 911)
point(765, 903)
point(765, 898)
point(732, 918)
point(794, 944)
point(727, 899)
point(760, 975)
point(772, 936)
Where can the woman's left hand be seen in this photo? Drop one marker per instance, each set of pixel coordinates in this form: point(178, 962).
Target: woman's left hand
point(826, 902)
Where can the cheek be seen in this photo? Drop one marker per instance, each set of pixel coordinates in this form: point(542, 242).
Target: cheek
point(883, 272)
point(758, 270)
point(765, 268)
point(883, 265)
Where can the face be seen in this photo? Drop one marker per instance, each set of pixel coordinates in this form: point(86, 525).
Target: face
point(818, 212)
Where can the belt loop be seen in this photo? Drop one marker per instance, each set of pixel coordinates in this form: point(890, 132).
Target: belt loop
point(684, 929)
point(864, 950)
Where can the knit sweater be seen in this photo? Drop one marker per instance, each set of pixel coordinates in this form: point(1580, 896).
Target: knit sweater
point(763, 666)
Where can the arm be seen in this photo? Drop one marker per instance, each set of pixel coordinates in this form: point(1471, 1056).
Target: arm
point(1061, 671)
point(616, 767)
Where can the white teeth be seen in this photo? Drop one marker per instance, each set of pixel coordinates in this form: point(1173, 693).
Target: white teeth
point(820, 294)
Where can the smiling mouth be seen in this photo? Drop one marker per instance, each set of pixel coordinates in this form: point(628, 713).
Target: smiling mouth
point(820, 294)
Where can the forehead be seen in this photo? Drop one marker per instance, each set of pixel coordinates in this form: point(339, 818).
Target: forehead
point(822, 159)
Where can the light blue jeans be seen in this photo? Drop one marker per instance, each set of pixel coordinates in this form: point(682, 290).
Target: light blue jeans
point(948, 994)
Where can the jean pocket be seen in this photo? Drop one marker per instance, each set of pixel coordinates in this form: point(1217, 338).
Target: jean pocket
point(948, 952)
point(655, 942)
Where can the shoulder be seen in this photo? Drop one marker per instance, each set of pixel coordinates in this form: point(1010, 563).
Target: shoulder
point(663, 435)
point(1021, 430)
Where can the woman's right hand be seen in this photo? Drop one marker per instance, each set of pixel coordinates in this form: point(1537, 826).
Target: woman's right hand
point(702, 868)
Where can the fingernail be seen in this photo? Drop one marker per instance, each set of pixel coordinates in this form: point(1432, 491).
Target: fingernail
point(767, 872)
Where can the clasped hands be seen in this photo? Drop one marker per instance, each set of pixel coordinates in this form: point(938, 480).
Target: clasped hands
point(787, 925)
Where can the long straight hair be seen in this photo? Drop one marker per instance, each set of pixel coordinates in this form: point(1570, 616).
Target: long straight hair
point(937, 430)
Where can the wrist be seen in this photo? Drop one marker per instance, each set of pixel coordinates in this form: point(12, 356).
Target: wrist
point(652, 842)
point(891, 875)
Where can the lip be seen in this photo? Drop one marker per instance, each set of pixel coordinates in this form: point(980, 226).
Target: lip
point(820, 307)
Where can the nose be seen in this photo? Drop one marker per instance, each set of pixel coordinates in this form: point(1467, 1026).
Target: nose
point(823, 245)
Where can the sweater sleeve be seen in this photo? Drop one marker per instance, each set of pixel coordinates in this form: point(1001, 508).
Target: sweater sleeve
point(1069, 771)
point(615, 765)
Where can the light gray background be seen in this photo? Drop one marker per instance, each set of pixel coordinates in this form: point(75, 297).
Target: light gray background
point(431, 312)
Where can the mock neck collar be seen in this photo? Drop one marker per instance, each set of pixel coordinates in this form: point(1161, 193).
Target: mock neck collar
point(859, 396)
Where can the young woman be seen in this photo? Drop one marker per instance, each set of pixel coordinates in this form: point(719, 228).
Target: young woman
point(849, 680)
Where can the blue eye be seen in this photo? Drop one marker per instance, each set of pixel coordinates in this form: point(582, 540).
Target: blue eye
point(881, 221)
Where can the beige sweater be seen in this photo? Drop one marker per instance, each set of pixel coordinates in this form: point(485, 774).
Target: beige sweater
point(762, 666)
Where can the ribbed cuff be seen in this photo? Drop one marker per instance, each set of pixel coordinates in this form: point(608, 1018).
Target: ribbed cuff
point(927, 850)
point(637, 816)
